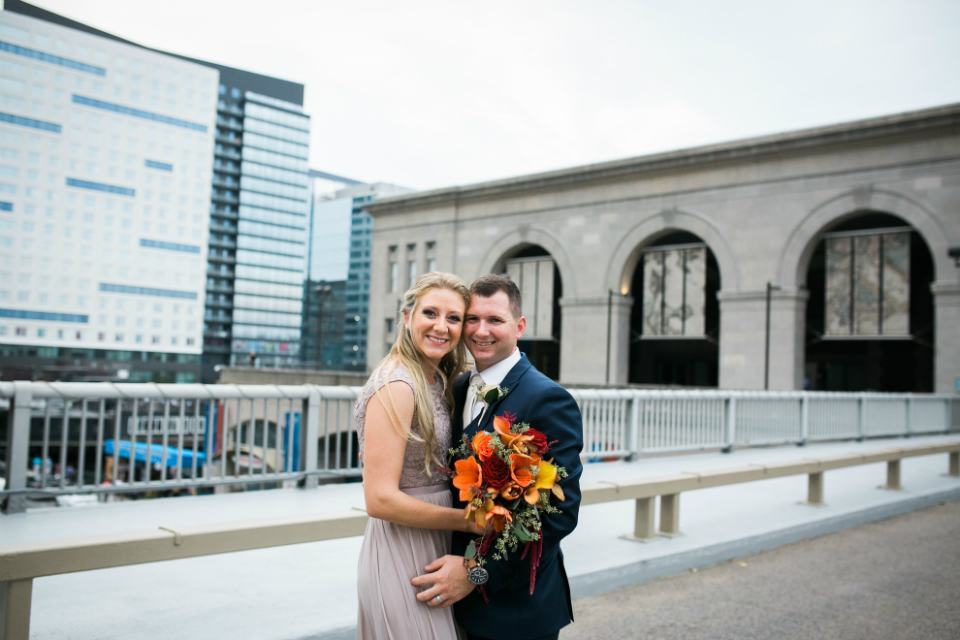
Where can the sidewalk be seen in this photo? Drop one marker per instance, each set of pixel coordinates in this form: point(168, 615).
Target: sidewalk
point(308, 591)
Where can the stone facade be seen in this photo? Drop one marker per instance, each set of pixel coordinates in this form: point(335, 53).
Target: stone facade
point(760, 205)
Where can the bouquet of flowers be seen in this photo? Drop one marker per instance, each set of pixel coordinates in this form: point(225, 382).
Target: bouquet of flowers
point(503, 478)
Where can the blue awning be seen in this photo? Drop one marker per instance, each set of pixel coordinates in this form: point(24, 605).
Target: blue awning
point(157, 453)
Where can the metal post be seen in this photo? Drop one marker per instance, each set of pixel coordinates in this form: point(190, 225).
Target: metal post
point(731, 424)
point(815, 489)
point(862, 419)
point(954, 464)
point(766, 352)
point(15, 600)
point(909, 411)
point(18, 445)
point(310, 436)
point(893, 475)
point(635, 440)
point(670, 515)
point(804, 419)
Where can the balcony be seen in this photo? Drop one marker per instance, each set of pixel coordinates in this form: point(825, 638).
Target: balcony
point(227, 169)
point(219, 333)
point(228, 139)
point(219, 289)
point(227, 244)
point(219, 304)
point(223, 259)
point(223, 107)
point(228, 184)
point(225, 197)
point(223, 122)
point(217, 273)
point(220, 213)
point(222, 228)
point(226, 152)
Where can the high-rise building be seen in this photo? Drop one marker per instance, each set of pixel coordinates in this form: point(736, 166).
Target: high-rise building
point(336, 294)
point(106, 153)
point(249, 239)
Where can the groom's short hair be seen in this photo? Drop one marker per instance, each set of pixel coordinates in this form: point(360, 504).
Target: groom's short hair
point(488, 286)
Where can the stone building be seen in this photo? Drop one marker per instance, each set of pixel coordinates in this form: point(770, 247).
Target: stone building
point(659, 269)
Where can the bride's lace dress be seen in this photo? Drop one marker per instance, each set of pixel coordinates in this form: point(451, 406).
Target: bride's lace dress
point(393, 554)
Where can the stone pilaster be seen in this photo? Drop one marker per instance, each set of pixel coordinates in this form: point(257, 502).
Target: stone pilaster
point(946, 312)
point(743, 339)
point(584, 343)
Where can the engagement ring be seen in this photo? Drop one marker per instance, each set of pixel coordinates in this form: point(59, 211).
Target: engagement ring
point(439, 600)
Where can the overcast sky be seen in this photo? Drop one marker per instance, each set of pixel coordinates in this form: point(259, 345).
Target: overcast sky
point(433, 94)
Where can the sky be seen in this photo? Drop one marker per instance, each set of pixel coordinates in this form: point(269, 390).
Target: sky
point(430, 94)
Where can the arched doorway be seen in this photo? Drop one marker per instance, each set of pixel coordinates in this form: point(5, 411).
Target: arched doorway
point(538, 277)
point(675, 319)
point(869, 319)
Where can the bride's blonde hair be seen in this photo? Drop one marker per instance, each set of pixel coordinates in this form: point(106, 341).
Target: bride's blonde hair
point(406, 352)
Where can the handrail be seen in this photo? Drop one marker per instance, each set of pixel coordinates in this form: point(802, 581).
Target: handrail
point(21, 563)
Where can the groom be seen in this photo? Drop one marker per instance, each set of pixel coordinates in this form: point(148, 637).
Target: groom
point(492, 326)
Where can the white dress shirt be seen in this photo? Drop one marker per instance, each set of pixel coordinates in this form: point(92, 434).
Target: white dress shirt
point(491, 375)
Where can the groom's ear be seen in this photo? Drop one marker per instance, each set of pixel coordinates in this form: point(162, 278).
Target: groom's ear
point(521, 326)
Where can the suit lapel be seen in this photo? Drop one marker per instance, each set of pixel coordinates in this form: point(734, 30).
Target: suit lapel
point(509, 383)
point(459, 398)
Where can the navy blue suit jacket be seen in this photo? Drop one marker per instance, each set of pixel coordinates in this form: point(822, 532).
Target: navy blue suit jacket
point(512, 611)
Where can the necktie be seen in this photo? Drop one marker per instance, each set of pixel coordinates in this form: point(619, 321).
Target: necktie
point(471, 403)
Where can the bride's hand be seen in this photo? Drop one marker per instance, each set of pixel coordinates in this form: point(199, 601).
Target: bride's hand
point(473, 529)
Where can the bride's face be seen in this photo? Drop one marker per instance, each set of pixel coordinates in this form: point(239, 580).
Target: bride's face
point(436, 323)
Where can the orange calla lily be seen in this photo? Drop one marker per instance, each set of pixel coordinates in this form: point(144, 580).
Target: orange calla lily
point(520, 469)
point(469, 477)
point(511, 492)
point(545, 481)
point(500, 516)
point(502, 427)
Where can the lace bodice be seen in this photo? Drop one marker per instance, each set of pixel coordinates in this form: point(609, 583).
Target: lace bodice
point(413, 474)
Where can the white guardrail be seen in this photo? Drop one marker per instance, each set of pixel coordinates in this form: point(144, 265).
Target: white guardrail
point(102, 438)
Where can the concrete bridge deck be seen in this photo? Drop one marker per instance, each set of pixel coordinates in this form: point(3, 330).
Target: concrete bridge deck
point(308, 591)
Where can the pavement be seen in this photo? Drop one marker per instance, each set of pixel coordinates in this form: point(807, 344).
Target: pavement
point(896, 579)
point(309, 591)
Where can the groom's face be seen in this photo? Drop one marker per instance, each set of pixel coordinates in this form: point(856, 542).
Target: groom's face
point(490, 329)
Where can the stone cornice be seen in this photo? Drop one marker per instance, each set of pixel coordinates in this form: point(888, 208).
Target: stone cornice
point(916, 123)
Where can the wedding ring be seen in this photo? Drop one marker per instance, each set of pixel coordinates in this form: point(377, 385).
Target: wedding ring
point(439, 600)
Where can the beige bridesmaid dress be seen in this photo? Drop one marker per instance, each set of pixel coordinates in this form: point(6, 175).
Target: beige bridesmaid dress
point(393, 554)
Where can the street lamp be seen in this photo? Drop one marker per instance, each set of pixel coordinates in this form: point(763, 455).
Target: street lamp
point(766, 353)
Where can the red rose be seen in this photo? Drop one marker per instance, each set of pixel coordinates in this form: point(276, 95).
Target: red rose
point(538, 439)
point(496, 473)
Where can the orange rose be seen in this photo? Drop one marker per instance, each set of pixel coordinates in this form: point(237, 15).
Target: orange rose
point(482, 446)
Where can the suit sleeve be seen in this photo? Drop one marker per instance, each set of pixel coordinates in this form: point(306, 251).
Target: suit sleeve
point(558, 417)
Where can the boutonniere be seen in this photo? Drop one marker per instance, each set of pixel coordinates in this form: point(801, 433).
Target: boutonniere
point(488, 394)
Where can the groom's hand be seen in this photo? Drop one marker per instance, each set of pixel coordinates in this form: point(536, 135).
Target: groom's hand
point(449, 579)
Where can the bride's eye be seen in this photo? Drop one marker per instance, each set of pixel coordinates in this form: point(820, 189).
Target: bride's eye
point(455, 319)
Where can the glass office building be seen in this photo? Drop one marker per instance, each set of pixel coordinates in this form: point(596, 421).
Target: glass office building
point(337, 294)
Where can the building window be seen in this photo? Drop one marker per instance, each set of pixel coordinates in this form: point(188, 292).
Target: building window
point(394, 276)
point(412, 272)
point(868, 284)
point(431, 265)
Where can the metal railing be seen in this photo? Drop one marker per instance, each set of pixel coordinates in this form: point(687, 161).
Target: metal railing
point(625, 423)
point(104, 437)
point(21, 563)
point(68, 438)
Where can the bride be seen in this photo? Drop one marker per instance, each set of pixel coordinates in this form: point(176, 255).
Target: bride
point(403, 425)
